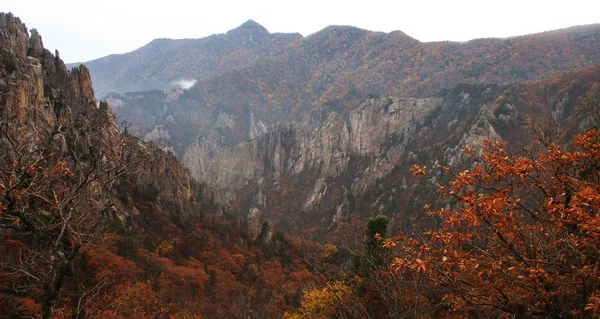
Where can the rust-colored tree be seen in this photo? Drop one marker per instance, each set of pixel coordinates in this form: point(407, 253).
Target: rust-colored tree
point(519, 236)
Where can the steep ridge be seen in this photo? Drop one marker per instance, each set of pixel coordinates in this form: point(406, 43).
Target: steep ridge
point(45, 96)
point(341, 66)
point(94, 222)
point(312, 176)
point(163, 62)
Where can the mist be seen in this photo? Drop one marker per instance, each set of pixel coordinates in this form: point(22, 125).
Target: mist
point(184, 84)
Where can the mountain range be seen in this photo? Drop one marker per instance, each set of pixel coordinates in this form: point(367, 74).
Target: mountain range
point(258, 175)
point(338, 65)
point(163, 62)
point(343, 111)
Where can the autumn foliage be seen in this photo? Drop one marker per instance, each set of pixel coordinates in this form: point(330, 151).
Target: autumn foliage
point(519, 236)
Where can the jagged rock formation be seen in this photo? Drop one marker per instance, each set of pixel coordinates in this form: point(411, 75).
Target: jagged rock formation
point(324, 148)
point(323, 143)
point(33, 80)
point(39, 94)
point(337, 166)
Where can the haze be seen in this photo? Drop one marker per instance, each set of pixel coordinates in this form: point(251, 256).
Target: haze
point(85, 30)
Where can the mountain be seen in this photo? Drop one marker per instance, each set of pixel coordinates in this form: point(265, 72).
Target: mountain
point(314, 176)
point(341, 66)
point(96, 223)
point(291, 139)
point(162, 63)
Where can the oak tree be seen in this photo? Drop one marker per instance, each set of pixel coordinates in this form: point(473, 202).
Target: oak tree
point(519, 237)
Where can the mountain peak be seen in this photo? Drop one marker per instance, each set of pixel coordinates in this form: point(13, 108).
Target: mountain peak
point(251, 24)
point(248, 30)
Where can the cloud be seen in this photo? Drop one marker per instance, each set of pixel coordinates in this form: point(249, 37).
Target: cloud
point(184, 84)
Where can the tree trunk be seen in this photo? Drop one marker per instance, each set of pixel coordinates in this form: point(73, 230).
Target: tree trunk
point(49, 301)
point(52, 287)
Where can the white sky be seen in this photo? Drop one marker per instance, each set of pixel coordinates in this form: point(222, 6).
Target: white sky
point(83, 30)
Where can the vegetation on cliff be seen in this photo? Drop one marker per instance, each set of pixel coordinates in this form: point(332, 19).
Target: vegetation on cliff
point(95, 223)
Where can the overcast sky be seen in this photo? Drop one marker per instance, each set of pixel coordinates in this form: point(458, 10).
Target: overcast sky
point(83, 30)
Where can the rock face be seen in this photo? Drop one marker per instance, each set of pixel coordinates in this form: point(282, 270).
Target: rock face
point(39, 96)
point(329, 167)
point(323, 143)
point(167, 183)
point(37, 86)
point(325, 146)
point(479, 132)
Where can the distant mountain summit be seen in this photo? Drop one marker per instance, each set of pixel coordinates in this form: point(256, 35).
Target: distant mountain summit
point(248, 30)
point(163, 62)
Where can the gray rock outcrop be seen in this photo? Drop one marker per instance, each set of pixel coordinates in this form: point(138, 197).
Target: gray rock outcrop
point(377, 129)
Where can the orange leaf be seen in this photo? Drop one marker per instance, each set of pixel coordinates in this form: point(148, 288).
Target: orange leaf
point(418, 170)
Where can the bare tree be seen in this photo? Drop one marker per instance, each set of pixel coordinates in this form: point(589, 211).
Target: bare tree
point(56, 194)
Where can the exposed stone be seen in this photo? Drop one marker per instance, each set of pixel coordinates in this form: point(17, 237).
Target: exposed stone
point(158, 134)
point(480, 131)
point(257, 128)
point(254, 224)
point(36, 47)
point(559, 109)
point(341, 208)
point(224, 120)
point(51, 101)
point(319, 190)
point(267, 232)
point(378, 129)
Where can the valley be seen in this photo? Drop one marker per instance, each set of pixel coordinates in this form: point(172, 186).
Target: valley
point(343, 174)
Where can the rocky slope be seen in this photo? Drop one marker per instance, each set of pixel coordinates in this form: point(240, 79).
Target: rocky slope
point(324, 142)
point(309, 176)
point(163, 63)
point(39, 94)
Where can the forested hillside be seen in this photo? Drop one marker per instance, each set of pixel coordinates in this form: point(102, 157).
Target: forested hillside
point(347, 174)
point(162, 63)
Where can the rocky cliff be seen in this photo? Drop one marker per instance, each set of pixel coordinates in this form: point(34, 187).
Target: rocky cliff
point(329, 167)
point(40, 97)
point(324, 143)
